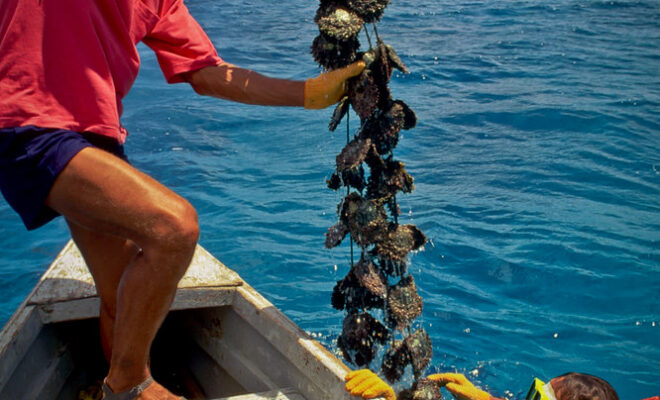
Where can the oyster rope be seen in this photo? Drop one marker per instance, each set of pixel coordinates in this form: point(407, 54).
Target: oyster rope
point(380, 279)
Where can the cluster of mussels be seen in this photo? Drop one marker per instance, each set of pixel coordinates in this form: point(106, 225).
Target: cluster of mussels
point(379, 280)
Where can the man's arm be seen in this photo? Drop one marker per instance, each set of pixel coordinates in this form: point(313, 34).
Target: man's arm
point(229, 82)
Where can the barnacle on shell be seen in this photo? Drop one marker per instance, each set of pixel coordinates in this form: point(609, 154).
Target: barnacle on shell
point(386, 180)
point(366, 220)
point(369, 10)
point(338, 22)
point(331, 53)
point(395, 361)
point(420, 350)
point(335, 235)
point(400, 241)
point(403, 303)
point(350, 294)
point(353, 154)
point(384, 129)
point(369, 276)
point(415, 350)
point(364, 94)
point(422, 389)
point(360, 333)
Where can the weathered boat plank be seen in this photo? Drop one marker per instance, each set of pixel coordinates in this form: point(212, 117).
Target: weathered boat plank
point(278, 394)
point(69, 279)
point(16, 339)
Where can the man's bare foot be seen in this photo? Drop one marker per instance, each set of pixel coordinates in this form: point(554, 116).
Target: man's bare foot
point(156, 391)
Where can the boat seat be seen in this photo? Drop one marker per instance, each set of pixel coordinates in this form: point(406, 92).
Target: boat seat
point(277, 394)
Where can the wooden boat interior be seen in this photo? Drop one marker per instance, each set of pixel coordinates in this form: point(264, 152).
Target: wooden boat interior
point(222, 340)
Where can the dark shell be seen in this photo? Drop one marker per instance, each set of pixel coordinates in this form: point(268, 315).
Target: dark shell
point(422, 389)
point(366, 220)
point(386, 180)
point(384, 129)
point(349, 294)
point(360, 333)
point(369, 10)
point(420, 351)
point(334, 182)
point(341, 110)
point(371, 277)
point(400, 110)
point(395, 361)
point(335, 235)
point(399, 242)
point(331, 53)
point(338, 22)
point(354, 178)
point(364, 94)
point(394, 59)
point(403, 303)
point(353, 154)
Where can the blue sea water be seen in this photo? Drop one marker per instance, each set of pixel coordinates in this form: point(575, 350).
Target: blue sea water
point(537, 168)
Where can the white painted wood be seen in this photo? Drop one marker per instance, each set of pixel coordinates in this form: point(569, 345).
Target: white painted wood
point(322, 372)
point(69, 279)
point(278, 394)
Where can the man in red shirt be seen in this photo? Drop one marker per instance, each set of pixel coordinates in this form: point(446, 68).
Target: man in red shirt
point(65, 66)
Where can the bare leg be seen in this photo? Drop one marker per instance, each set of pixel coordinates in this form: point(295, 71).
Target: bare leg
point(104, 194)
point(106, 257)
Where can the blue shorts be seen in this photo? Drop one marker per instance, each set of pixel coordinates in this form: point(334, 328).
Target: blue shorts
point(31, 158)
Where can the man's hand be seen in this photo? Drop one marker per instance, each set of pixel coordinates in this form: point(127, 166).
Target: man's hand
point(329, 87)
point(368, 385)
point(459, 386)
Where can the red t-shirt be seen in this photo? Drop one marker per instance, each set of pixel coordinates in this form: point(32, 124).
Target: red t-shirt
point(68, 63)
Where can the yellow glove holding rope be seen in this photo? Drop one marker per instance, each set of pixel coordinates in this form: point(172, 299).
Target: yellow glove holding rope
point(329, 87)
point(459, 386)
point(368, 385)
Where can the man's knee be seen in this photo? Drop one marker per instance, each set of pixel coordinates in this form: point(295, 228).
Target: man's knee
point(177, 229)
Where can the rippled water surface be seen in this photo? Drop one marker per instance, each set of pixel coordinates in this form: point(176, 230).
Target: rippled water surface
point(536, 163)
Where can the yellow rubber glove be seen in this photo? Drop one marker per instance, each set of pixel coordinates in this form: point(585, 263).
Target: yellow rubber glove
point(459, 386)
point(329, 87)
point(368, 385)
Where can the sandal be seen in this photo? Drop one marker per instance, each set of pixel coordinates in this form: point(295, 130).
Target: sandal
point(130, 394)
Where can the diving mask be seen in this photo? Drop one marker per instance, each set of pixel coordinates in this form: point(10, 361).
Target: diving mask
point(540, 391)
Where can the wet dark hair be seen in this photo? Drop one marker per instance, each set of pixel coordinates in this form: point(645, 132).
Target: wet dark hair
point(577, 386)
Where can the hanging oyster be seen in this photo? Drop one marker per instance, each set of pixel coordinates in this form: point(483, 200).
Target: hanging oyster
point(415, 350)
point(422, 389)
point(353, 154)
point(350, 178)
point(338, 22)
point(332, 53)
point(384, 129)
point(369, 10)
point(360, 333)
point(349, 294)
point(364, 94)
point(395, 361)
point(335, 235)
point(420, 350)
point(366, 221)
point(403, 303)
point(371, 278)
point(400, 241)
point(387, 179)
point(342, 108)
